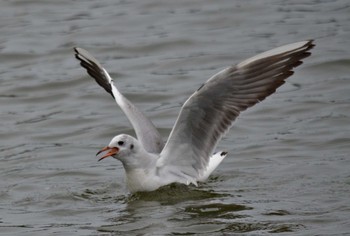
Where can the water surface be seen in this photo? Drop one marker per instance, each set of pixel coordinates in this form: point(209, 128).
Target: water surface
point(288, 165)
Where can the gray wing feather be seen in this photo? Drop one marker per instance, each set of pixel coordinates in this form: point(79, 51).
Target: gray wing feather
point(145, 131)
point(211, 110)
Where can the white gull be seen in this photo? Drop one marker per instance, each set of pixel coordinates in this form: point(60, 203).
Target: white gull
point(188, 155)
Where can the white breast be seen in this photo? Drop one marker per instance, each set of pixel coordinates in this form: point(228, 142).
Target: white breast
point(140, 180)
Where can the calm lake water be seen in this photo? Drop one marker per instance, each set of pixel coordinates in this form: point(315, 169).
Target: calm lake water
point(288, 168)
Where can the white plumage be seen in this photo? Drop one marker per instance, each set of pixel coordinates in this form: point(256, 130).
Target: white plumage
point(187, 156)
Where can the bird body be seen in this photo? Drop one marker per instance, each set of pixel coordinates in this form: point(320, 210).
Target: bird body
point(143, 170)
point(188, 155)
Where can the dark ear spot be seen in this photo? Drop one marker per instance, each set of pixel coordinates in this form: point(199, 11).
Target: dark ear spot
point(131, 146)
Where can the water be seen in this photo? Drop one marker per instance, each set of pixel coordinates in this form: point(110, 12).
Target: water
point(288, 164)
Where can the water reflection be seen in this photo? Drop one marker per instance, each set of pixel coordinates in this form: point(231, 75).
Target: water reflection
point(180, 209)
point(176, 208)
point(175, 193)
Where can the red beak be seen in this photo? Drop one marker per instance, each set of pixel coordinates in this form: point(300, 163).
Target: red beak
point(112, 151)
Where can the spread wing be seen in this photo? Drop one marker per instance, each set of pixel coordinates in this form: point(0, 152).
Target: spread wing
point(211, 110)
point(145, 131)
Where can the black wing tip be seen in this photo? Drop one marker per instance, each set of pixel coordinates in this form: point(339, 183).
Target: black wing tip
point(312, 42)
point(93, 68)
point(309, 45)
point(80, 55)
point(78, 51)
point(224, 153)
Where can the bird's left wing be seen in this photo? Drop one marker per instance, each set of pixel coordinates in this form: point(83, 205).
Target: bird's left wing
point(211, 110)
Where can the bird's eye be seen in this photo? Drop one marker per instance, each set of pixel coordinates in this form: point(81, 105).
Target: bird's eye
point(120, 143)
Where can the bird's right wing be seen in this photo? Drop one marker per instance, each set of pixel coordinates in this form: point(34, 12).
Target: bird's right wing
point(145, 131)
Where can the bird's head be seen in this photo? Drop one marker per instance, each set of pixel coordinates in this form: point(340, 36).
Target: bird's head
point(119, 148)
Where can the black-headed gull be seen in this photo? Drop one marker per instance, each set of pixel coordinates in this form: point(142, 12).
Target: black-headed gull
point(187, 156)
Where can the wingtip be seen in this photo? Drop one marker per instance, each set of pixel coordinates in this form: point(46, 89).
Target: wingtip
point(93, 68)
point(301, 46)
point(310, 44)
point(224, 153)
point(76, 50)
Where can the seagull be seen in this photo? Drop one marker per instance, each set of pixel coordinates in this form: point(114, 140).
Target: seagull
point(188, 156)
